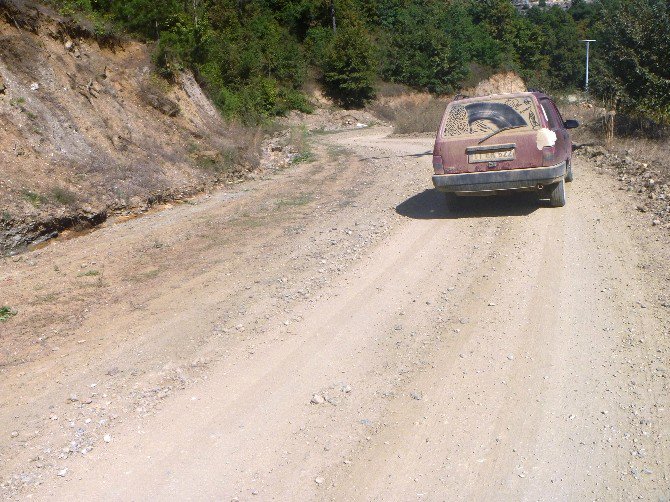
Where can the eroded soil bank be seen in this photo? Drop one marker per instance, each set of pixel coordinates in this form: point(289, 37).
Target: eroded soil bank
point(88, 130)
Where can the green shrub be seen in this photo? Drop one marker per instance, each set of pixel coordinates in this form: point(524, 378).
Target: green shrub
point(349, 68)
point(6, 313)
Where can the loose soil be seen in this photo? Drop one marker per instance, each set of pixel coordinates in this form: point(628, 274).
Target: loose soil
point(504, 351)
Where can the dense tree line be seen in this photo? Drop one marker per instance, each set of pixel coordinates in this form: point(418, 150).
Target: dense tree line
point(253, 56)
point(632, 67)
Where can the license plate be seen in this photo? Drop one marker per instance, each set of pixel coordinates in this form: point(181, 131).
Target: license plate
point(491, 156)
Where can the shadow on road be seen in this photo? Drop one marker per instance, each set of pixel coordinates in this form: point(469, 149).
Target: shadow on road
point(431, 204)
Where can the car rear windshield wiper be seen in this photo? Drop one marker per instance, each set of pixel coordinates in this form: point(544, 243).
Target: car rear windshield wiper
point(496, 132)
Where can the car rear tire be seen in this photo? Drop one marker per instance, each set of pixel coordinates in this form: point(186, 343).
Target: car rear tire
point(557, 194)
point(568, 171)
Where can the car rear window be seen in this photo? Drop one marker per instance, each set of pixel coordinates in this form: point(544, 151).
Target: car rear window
point(487, 116)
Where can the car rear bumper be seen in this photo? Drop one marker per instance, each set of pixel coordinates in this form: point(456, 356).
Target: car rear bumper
point(499, 180)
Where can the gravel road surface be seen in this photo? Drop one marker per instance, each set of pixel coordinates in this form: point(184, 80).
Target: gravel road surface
point(333, 332)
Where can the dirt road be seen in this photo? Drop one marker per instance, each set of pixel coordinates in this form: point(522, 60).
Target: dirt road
point(333, 332)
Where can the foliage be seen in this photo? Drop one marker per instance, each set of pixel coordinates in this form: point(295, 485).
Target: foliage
point(561, 47)
point(428, 47)
point(632, 64)
point(253, 56)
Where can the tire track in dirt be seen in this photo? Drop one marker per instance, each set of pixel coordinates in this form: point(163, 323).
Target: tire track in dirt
point(461, 355)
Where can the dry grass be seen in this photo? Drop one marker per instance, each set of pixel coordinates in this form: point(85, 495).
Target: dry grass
point(416, 112)
point(411, 113)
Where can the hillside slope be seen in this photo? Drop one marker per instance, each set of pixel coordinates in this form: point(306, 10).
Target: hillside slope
point(88, 130)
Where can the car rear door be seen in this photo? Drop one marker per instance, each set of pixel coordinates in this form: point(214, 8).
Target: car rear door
point(563, 145)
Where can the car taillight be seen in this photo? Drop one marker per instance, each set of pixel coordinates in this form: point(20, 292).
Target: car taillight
point(548, 155)
point(437, 164)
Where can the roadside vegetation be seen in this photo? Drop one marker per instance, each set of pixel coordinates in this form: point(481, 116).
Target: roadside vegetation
point(255, 57)
point(6, 313)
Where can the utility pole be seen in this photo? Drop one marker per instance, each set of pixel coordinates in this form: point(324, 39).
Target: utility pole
point(332, 15)
point(588, 50)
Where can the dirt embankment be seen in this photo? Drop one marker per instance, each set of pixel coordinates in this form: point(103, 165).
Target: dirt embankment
point(89, 130)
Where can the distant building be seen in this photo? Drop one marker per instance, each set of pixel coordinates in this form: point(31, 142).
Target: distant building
point(527, 4)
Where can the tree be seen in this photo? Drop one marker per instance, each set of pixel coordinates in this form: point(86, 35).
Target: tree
point(349, 68)
point(146, 17)
point(429, 47)
point(560, 46)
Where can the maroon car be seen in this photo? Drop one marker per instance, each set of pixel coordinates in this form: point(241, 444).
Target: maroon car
point(503, 142)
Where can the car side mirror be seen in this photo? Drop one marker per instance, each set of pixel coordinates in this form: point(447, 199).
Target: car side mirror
point(571, 124)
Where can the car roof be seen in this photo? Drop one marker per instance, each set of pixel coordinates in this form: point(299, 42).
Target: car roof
point(537, 95)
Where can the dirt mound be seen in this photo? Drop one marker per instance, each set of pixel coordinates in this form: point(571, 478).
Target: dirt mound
point(89, 129)
point(500, 83)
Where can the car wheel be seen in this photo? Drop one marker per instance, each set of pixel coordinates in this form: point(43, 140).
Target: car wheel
point(568, 171)
point(557, 194)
